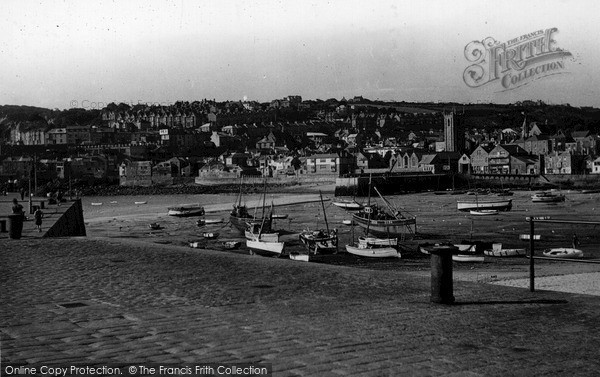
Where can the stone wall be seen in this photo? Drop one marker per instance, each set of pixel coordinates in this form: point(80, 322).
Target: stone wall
point(70, 224)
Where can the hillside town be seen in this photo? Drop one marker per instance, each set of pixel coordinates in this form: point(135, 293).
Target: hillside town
point(202, 141)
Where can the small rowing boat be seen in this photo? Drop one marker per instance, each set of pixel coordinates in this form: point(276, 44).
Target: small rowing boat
point(231, 244)
point(210, 235)
point(279, 216)
point(564, 252)
point(213, 221)
point(96, 204)
point(186, 210)
point(154, 226)
point(294, 255)
point(138, 203)
point(505, 252)
point(467, 258)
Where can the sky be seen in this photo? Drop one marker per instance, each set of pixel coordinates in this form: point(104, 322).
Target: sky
point(63, 54)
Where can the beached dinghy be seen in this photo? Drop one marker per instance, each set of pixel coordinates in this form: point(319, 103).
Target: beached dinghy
point(467, 258)
point(564, 252)
point(186, 210)
point(483, 212)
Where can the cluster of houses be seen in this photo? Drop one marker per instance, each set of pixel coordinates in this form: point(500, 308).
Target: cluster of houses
point(198, 141)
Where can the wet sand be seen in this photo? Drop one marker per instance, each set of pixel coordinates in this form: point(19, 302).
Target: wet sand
point(438, 220)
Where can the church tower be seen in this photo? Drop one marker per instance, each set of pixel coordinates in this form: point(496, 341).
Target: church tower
point(454, 137)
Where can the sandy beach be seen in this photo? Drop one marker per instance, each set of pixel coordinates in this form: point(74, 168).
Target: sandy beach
point(119, 218)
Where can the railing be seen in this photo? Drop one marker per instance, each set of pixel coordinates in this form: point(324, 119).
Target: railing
point(532, 237)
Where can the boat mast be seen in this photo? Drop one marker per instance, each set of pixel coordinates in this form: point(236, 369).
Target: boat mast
point(324, 214)
point(390, 207)
point(368, 208)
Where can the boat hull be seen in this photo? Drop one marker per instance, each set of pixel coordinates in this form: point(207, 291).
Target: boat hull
point(186, 213)
point(467, 258)
point(385, 227)
point(505, 252)
point(348, 205)
point(484, 212)
point(375, 252)
point(267, 237)
point(275, 248)
point(499, 205)
point(564, 252)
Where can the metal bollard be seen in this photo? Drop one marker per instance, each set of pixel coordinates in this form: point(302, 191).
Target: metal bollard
point(15, 226)
point(441, 273)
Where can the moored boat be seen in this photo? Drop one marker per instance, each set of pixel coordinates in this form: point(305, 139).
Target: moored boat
point(505, 252)
point(483, 212)
point(210, 235)
point(231, 244)
point(213, 221)
point(154, 226)
point(478, 205)
point(547, 197)
point(467, 258)
point(240, 218)
point(363, 250)
point(322, 240)
point(138, 203)
point(185, 210)
point(294, 255)
point(347, 204)
point(96, 204)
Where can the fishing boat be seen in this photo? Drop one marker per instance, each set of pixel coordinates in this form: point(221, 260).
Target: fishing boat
point(294, 255)
point(259, 244)
point(185, 210)
point(369, 245)
point(478, 205)
point(240, 218)
point(322, 240)
point(483, 212)
point(564, 252)
point(347, 204)
point(387, 221)
point(547, 197)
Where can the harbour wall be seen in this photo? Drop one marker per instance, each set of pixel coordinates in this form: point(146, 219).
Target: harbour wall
point(388, 184)
point(259, 180)
point(70, 223)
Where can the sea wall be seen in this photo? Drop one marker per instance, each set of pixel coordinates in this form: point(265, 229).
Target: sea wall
point(283, 180)
point(70, 223)
point(573, 180)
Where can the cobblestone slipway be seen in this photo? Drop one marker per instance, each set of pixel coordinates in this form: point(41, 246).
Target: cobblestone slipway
point(144, 304)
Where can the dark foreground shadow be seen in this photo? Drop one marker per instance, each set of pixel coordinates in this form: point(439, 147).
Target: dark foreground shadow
point(515, 302)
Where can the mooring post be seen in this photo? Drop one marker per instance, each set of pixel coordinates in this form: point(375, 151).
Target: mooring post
point(442, 290)
point(531, 255)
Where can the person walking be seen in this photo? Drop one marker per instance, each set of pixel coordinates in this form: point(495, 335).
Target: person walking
point(22, 191)
point(575, 241)
point(38, 215)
